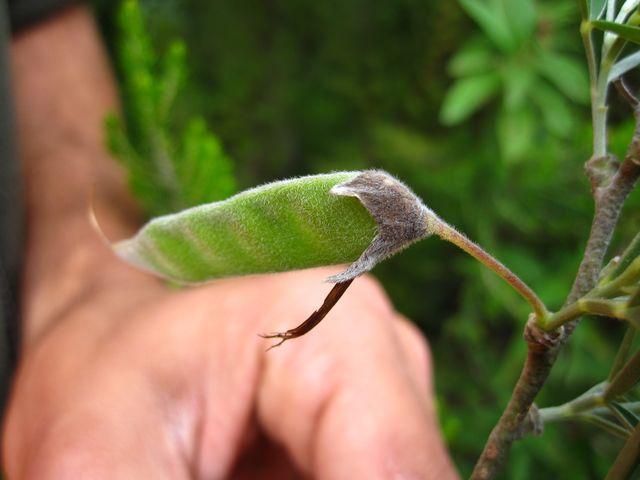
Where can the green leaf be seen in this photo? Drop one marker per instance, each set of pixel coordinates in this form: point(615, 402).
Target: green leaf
point(627, 32)
point(204, 170)
point(556, 113)
point(515, 133)
point(492, 21)
point(565, 73)
point(466, 96)
point(290, 224)
point(517, 85)
point(605, 424)
point(171, 79)
point(522, 18)
point(473, 58)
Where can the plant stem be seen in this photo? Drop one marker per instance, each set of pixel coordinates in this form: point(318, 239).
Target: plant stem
point(587, 40)
point(450, 234)
point(609, 199)
point(540, 358)
point(616, 285)
point(610, 194)
point(630, 253)
point(627, 458)
point(570, 409)
point(586, 305)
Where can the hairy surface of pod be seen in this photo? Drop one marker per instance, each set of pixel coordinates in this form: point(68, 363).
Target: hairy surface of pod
point(285, 225)
point(360, 217)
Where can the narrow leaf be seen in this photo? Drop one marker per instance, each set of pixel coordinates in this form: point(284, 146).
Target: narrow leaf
point(627, 32)
point(522, 18)
point(565, 73)
point(630, 418)
point(623, 66)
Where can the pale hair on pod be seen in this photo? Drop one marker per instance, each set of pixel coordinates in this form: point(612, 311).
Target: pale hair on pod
point(400, 215)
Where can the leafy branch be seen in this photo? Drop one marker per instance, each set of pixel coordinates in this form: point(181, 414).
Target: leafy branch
point(611, 183)
point(170, 166)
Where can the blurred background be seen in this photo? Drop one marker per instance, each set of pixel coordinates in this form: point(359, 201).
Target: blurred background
point(486, 117)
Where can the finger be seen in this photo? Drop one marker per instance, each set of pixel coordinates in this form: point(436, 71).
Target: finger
point(351, 400)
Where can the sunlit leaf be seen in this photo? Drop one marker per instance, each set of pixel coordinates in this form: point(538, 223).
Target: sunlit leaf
point(492, 21)
point(522, 18)
point(474, 58)
point(466, 96)
point(204, 170)
point(565, 73)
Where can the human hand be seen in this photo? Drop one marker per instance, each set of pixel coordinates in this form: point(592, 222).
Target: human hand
point(136, 380)
point(123, 377)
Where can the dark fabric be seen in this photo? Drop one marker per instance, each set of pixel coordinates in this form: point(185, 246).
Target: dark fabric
point(23, 13)
point(10, 219)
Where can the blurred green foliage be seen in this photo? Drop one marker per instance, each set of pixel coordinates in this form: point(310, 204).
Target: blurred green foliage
point(293, 87)
point(167, 171)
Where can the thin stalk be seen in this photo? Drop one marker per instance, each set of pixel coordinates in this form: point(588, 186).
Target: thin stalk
point(606, 425)
point(624, 380)
point(631, 252)
point(599, 110)
point(450, 234)
point(586, 305)
point(625, 278)
point(627, 458)
point(622, 420)
point(587, 40)
point(583, 403)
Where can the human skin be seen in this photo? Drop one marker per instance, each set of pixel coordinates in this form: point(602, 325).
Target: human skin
point(122, 377)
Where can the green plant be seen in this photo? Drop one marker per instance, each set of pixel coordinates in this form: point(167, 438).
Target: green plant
point(168, 171)
point(522, 59)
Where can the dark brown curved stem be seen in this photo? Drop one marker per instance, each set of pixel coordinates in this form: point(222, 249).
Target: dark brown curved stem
point(314, 319)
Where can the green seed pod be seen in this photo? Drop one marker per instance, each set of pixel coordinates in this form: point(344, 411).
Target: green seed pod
point(291, 224)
